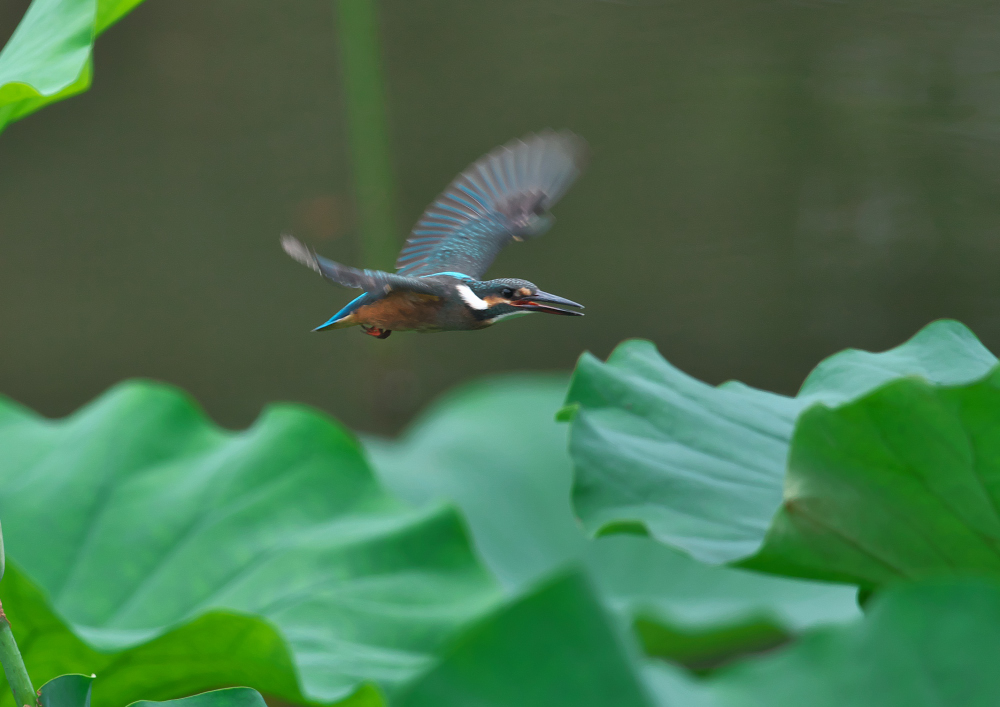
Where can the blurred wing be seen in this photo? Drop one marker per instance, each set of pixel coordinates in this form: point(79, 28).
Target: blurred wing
point(374, 281)
point(505, 195)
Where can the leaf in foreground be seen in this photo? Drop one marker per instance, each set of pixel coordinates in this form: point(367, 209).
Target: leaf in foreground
point(49, 56)
point(66, 691)
point(702, 468)
point(230, 697)
point(216, 648)
point(511, 475)
point(493, 448)
point(152, 517)
point(920, 645)
point(550, 648)
point(702, 616)
point(74, 691)
point(901, 484)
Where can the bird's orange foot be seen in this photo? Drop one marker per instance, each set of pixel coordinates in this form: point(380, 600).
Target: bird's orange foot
point(376, 332)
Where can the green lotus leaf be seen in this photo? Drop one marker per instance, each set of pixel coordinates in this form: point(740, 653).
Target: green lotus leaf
point(229, 697)
point(158, 538)
point(49, 56)
point(493, 448)
point(74, 691)
point(552, 647)
point(899, 485)
point(702, 468)
point(67, 691)
point(510, 473)
point(185, 660)
point(703, 616)
point(919, 645)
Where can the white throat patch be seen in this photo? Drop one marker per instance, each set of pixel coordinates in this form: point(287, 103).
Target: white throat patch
point(470, 298)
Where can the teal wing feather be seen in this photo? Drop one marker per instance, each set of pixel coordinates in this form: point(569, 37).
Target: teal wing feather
point(371, 281)
point(503, 196)
point(375, 283)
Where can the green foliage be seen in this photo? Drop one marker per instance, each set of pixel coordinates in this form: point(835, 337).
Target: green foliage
point(183, 557)
point(66, 691)
point(880, 472)
point(50, 55)
point(701, 615)
point(925, 645)
point(920, 645)
point(368, 128)
point(703, 468)
point(215, 648)
point(552, 648)
point(493, 448)
point(232, 697)
point(75, 691)
point(163, 536)
point(901, 484)
point(169, 557)
point(510, 474)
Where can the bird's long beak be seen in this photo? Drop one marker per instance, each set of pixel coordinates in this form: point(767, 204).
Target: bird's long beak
point(534, 304)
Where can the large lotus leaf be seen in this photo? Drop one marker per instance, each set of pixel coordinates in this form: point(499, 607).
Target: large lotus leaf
point(550, 648)
point(495, 448)
point(702, 468)
point(75, 691)
point(920, 645)
point(68, 691)
point(230, 697)
point(703, 615)
point(217, 648)
point(49, 56)
point(901, 484)
point(136, 516)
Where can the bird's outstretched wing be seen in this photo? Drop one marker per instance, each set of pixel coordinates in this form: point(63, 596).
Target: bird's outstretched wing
point(504, 195)
point(373, 281)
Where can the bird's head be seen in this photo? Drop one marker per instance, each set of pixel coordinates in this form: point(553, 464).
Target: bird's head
point(496, 299)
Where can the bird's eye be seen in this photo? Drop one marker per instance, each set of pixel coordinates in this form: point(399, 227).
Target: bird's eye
point(507, 293)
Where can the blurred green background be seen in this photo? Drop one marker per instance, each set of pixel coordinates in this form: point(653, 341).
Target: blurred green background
point(770, 182)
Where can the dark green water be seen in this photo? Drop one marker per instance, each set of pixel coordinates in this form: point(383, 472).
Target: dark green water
point(770, 182)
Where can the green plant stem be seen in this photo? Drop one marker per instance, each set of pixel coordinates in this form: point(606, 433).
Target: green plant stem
point(368, 132)
point(364, 93)
point(13, 666)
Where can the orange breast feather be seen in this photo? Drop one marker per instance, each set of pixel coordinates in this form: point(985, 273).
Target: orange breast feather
point(401, 311)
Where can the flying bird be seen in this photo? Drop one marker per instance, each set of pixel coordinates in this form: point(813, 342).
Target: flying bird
point(504, 196)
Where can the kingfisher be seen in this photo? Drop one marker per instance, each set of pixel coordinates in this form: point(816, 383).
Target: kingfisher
point(504, 196)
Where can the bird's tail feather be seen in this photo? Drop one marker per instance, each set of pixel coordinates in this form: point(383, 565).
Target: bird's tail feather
point(343, 319)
